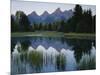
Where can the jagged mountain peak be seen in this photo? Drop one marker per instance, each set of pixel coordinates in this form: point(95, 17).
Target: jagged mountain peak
point(45, 13)
point(58, 10)
point(45, 17)
point(34, 13)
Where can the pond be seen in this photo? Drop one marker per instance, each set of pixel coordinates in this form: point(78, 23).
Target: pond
point(51, 54)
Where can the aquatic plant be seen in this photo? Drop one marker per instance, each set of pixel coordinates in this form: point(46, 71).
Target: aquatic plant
point(87, 62)
point(40, 59)
point(61, 62)
point(24, 56)
point(36, 59)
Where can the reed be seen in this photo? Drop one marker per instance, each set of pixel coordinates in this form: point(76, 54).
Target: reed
point(87, 62)
point(61, 62)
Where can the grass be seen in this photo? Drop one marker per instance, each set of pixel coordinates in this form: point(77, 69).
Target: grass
point(55, 34)
point(61, 62)
point(36, 59)
point(37, 33)
point(87, 63)
point(24, 56)
point(80, 35)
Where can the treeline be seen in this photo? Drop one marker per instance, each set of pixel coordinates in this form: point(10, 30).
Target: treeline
point(82, 21)
point(20, 22)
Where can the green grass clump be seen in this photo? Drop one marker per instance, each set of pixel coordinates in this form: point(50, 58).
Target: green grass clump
point(87, 63)
point(61, 62)
point(24, 56)
point(36, 59)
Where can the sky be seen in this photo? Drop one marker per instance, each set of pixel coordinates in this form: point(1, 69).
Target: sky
point(39, 7)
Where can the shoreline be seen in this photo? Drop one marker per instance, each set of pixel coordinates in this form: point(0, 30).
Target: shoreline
point(54, 34)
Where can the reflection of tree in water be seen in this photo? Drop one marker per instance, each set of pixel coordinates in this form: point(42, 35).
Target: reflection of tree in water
point(25, 44)
point(81, 46)
point(12, 45)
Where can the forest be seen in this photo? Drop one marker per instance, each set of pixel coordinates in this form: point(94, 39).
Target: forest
point(82, 21)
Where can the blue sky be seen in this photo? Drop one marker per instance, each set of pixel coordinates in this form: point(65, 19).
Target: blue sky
point(40, 7)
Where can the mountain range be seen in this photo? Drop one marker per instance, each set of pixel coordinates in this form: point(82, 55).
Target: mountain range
point(57, 15)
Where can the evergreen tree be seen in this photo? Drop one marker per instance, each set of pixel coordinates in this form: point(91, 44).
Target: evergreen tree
point(22, 21)
point(94, 24)
point(49, 27)
point(14, 26)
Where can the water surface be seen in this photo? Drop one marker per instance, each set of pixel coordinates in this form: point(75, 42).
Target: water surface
point(57, 54)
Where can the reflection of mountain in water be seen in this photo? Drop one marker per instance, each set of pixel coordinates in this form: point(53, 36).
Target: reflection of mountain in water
point(79, 46)
point(48, 60)
point(57, 43)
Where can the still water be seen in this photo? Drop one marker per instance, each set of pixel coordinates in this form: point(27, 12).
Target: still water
point(51, 54)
